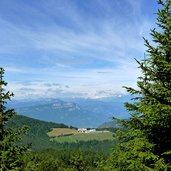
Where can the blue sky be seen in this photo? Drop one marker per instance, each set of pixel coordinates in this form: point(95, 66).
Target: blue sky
point(75, 48)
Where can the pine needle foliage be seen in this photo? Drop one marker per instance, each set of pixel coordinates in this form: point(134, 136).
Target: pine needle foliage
point(10, 150)
point(152, 112)
point(147, 144)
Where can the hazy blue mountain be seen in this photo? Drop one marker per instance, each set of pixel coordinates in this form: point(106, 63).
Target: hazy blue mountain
point(63, 112)
point(110, 107)
point(74, 111)
point(111, 124)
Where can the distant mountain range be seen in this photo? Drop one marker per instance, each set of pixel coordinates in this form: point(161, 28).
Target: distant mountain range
point(74, 111)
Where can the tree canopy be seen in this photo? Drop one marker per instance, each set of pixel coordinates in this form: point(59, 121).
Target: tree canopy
point(147, 144)
point(10, 151)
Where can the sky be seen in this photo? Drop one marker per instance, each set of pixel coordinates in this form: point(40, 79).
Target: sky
point(73, 48)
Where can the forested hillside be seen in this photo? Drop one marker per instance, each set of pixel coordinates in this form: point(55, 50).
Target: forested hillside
point(37, 134)
point(49, 155)
point(38, 137)
point(36, 127)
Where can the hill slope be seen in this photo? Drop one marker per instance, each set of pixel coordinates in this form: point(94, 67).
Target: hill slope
point(39, 139)
point(37, 134)
point(111, 124)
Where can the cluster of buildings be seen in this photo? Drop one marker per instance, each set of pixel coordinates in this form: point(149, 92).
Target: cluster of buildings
point(85, 130)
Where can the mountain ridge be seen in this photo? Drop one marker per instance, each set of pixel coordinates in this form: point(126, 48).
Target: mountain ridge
point(75, 112)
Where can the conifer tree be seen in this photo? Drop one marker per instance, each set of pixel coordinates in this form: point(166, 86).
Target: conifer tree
point(10, 151)
point(152, 110)
point(147, 144)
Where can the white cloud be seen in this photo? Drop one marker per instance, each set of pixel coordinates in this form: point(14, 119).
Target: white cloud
point(93, 83)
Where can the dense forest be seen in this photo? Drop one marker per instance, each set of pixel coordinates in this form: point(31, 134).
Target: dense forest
point(142, 144)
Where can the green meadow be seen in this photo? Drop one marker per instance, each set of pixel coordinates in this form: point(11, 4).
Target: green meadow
point(98, 135)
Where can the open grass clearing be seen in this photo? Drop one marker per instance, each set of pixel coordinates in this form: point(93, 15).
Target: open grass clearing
point(61, 132)
point(98, 135)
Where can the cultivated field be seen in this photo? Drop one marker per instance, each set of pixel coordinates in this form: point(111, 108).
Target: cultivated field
point(61, 132)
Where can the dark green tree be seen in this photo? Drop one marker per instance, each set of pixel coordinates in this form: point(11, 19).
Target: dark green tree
point(152, 110)
point(147, 144)
point(11, 150)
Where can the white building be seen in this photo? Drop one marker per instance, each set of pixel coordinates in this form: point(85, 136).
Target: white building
point(91, 130)
point(82, 130)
